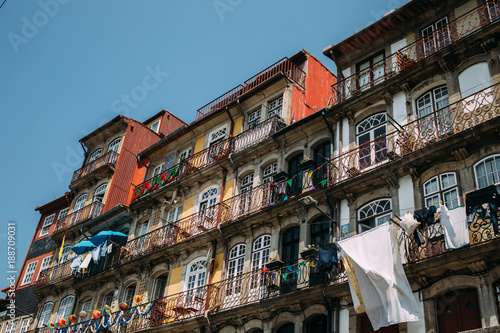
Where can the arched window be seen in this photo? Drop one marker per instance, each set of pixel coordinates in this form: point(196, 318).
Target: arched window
point(367, 131)
point(196, 274)
point(269, 172)
point(65, 254)
point(487, 171)
point(99, 193)
point(320, 231)
point(80, 202)
point(65, 307)
point(458, 310)
point(290, 244)
point(128, 295)
point(444, 188)
point(287, 328)
point(159, 287)
point(316, 324)
point(260, 254)
point(86, 308)
point(106, 300)
point(373, 214)
point(45, 314)
point(474, 79)
point(114, 145)
point(432, 100)
point(95, 155)
point(208, 198)
point(236, 260)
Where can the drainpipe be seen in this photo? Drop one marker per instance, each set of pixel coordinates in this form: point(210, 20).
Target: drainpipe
point(332, 133)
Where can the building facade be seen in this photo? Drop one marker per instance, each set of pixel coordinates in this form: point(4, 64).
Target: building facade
point(223, 215)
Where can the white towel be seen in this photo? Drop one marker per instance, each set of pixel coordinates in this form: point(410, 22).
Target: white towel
point(96, 254)
point(456, 232)
point(386, 292)
point(86, 261)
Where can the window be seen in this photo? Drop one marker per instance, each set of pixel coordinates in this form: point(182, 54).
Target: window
point(295, 173)
point(443, 188)
point(246, 192)
point(374, 214)
point(322, 154)
point(458, 311)
point(144, 228)
point(25, 325)
point(208, 198)
point(320, 231)
point(436, 36)
point(45, 264)
point(159, 287)
point(46, 224)
point(254, 118)
point(28, 273)
point(217, 136)
point(85, 307)
point(63, 213)
point(184, 154)
point(106, 300)
point(261, 249)
point(157, 170)
point(370, 136)
point(45, 314)
point(80, 202)
point(290, 253)
point(128, 295)
point(99, 193)
point(65, 254)
point(95, 155)
point(275, 107)
point(196, 275)
point(474, 79)
point(65, 307)
point(173, 214)
point(155, 126)
point(487, 171)
point(11, 326)
point(371, 71)
point(496, 287)
point(235, 268)
point(438, 124)
point(316, 324)
point(287, 328)
point(114, 145)
point(494, 9)
point(269, 172)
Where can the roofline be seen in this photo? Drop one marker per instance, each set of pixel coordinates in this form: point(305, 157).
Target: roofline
point(298, 123)
point(64, 199)
point(155, 146)
point(103, 127)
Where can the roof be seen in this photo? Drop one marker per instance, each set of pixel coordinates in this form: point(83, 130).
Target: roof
point(104, 127)
point(63, 200)
point(161, 113)
point(390, 21)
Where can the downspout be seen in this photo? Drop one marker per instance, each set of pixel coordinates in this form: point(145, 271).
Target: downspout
point(210, 276)
point(340, 75)
point(332, 133)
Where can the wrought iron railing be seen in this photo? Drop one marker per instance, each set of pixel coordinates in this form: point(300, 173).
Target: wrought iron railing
point(365, 157)
point(452, 119)
point(54, 274)
point(257, 134)
point(205, 158)
point(284, 66)
point(86, 213)
point(107, 159)
point(247, 202)
point(168, 176)
point(464, 25)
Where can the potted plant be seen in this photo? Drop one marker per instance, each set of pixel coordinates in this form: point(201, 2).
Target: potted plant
point(310, 252)
point(405, 61)
point(274, 264)
point(280, 176)
point(306, 164)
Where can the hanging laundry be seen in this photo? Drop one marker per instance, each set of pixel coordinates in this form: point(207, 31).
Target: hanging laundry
point(327, 255)
point(86, 261)
point(409, 224)
point(76, 262)
point(109, 248)
point(425, 215)
point(96, 254)
point(103, 248)
point(484, 202)
point(384, 288)
point(454, 222)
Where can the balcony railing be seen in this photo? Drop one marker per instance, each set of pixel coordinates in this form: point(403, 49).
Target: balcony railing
point(107, 159)
point(205, 158)
point(168, 176)
point(257, 134)
point(247, 202)
point(86, 213)
point(54, 274)
point(283, 66)
point(422, 48)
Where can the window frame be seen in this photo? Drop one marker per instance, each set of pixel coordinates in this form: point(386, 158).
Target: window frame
point(437, 44)
point(29, 272)
point(128, 294)
point(257, 118)
point(157, 170)
point(183, 155)
point(375, 217)
point(45, 313)
point(63, 212)
point(497, 171)
point(195, 269)
point(268, 178)
point(24, 328)
point(441, 191)
point(47, 225)
point(158, 291)
point(272, 110)
point(95, 155)
point(372, 81)
point(114, 145)
point(43, 266)
point(12, 328)
point(84, 308)
point(79, 202)
point(100, 194)
point(261, 247)
point(66, 308)
point(157, 123)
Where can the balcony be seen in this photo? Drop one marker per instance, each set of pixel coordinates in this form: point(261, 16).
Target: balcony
point(424, 132)
point(54, 274)
point(205, 158)
point(84, 214)
point(259, 133)
point(168, 176)
point(102, 163)
point(456, 30)
point(284, 67)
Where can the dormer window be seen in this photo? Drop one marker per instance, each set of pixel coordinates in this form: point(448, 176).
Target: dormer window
point(156, 126)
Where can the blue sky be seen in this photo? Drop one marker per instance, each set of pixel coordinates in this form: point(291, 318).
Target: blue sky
point(65, 65)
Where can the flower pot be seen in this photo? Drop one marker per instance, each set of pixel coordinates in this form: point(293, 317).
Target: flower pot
point(280, 177)
point(307, 165)
point(309, 254)
point(274, 265)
